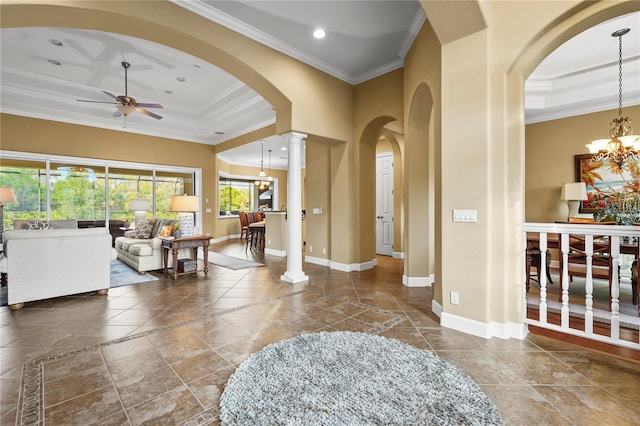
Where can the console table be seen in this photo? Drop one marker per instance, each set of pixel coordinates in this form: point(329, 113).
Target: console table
point(192, 242)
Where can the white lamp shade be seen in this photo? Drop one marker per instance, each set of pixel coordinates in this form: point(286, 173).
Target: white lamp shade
point(139, 205)
point(7, 195)
point(185, 203)
point(574, 191)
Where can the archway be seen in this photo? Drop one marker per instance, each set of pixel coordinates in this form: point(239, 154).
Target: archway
point(419, 191)
point(181, 32)
point(545, 42)
point(367, 188)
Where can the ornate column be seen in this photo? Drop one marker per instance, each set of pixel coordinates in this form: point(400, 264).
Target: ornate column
point(294, 273)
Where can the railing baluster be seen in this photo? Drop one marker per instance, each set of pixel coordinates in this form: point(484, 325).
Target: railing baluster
point(588, 302)
point(564, 312)
point(525, 276)
point(615, 287)
point(543, 282)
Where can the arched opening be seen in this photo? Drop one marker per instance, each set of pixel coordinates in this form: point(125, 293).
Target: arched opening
point(367, 187)
point(522, 147)
point(419, 191)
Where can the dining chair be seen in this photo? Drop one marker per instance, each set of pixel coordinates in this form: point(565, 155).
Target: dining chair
point(244, 224)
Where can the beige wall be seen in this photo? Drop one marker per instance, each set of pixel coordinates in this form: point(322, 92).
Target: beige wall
point(317, 195)
point(549, 160)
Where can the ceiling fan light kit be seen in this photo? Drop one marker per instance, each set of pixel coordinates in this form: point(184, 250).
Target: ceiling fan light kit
point(126, 105)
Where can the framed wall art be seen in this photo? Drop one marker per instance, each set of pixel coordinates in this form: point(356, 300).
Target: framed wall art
point(605, 180)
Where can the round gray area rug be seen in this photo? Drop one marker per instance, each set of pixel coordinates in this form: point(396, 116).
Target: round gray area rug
point(346, 378)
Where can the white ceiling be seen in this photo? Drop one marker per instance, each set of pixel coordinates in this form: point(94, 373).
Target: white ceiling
point(581, 76)
point(364, 39)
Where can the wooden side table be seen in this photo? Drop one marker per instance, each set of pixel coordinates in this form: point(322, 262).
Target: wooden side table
point(192, 242)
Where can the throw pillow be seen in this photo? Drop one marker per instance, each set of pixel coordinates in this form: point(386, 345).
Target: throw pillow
point(143, 229)
point(31, 225)
point(166, 231)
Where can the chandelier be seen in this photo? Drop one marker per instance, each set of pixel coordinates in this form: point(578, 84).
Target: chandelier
point(621, 145)
point(263, 183)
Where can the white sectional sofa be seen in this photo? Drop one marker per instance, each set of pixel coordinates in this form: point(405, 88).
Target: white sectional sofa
point(47, 263)
point(145, 254)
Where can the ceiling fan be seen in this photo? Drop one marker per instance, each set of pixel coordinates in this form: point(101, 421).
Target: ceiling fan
point(125, 105)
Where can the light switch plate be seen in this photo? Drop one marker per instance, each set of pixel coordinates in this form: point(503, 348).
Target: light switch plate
point(465, 215)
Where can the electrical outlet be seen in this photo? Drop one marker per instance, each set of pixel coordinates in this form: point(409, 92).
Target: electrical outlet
point(310, 249)
point(324, 251)
point(455, 298)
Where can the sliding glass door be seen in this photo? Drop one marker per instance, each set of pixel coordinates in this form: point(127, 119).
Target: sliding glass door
point(85, 190)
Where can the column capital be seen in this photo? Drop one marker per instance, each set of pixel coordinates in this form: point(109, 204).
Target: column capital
point(295, 135)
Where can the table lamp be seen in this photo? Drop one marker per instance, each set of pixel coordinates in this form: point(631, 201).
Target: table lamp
point(6, 196)
point(186, 205)
point(140, 207)
point(573, 193)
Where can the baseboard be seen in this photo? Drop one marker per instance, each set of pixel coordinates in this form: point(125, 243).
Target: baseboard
point(221, 239)
point(316, 260)
point(418, 281)
point(485, 330)
point(398, 255)
point(344, 267)
point(274, 252)
point(436, 308)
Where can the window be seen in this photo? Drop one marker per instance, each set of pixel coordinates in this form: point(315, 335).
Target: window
point(241, 193)
point(235, 195)
point(53, 187)
point(77, 191)
point(28, 180)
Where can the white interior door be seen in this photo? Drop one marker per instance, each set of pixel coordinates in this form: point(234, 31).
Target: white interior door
point(384, 204)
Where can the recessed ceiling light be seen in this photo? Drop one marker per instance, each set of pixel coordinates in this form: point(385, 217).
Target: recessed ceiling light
point(181, 79)
point(197, 66)
point(219, 133)
point(54, 62)
point(283, 148)
point(55, 42)
point(319, 33)
point(168, 92)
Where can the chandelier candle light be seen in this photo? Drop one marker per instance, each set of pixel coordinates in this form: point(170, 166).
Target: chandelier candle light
point(621, 145)
point(6, 196)
point(140, 207)
point(186, 205)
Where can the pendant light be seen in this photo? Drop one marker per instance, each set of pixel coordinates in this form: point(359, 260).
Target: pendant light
point(262, 183)
point(269, 178)
point(621, 145)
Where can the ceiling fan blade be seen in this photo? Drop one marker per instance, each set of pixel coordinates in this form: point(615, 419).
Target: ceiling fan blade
point(117, 113)
point(149, 105)
point(149, 113)
point(110, 94)
point(96, 102)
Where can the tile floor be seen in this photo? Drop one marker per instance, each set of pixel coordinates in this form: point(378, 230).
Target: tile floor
point(160, 352)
